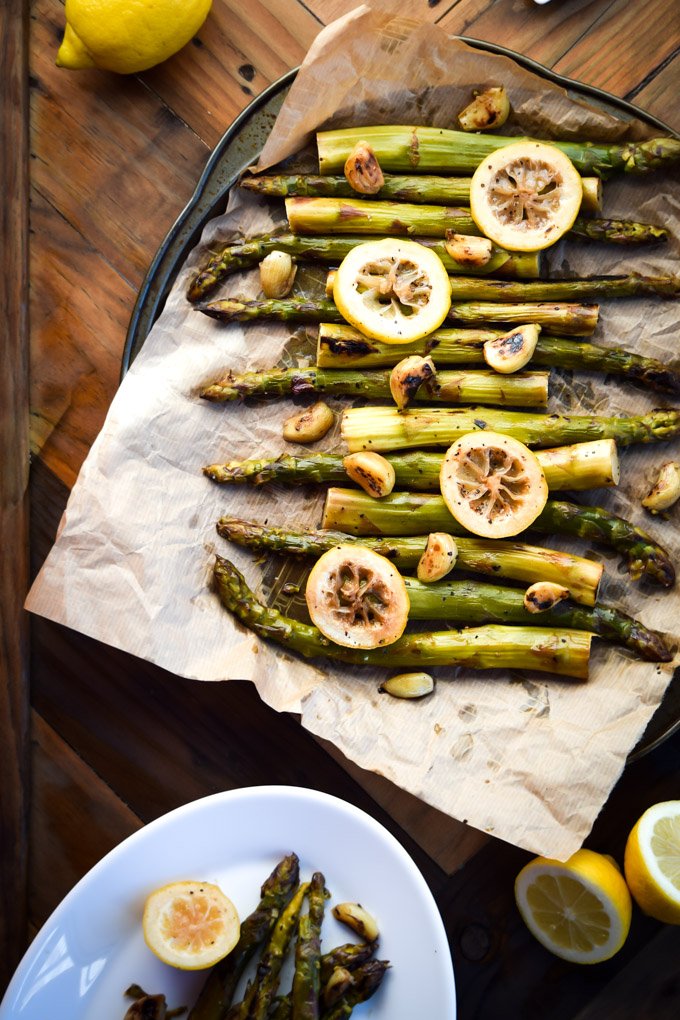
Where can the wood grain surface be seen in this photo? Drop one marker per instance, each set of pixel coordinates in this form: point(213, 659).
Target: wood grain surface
point(116, 742)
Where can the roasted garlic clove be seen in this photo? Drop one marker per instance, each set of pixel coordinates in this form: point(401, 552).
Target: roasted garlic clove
point(468, 250)
point(591, 203)
point(408, 376)
point(277, 272)
point(330, 283)
point(489, 109)
point(362, 170)
point(371, 471)
point(544, 595)
point(408, 685)
point(309, 425)
point(666, 490)
point(439, 557)
point(338, 983)
point(511, 352)
point(358, 919)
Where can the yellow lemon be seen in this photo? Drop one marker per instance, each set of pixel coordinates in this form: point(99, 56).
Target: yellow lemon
point(580, 909)
point(190, 925)
point(127, 36)
point(652, 862)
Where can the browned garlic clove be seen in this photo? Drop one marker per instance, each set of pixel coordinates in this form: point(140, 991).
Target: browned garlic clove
point(340, 980)
point(512, 351)
point(358, 919)
point(309, 425)
point(362, 170)
point(468, 250)
point(277, 273)
point(544, 595)
point(408, 376)
point(666, 489)
point(371, 471)
point(408, 685)
point(439, 557)
point(489, 109)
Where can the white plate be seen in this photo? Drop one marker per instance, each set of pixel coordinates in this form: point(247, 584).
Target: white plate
point(92, 948)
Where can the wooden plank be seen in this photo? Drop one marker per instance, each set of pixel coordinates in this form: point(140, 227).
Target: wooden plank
point(75, 820)
point(13, 482)
point(622, 47)
point(543, 33)
point(238, 52)
point(107, 153)
point(77, 339)
point(659, 94)
point(425, 10)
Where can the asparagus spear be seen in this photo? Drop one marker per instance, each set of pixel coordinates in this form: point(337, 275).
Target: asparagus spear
point(514, 560)
point(563, 652)
point(385, 428)
point(596, 287)
point(612, 231)
point(417, 188)
point(247, 253)
point(577, 467)
point(367, 981)
point(565, 319)
point(345, 347)
point(216, 994)
point(307, 980)
point(415, 513)
point(349, 956)
point(525, 389)
point(431, 150)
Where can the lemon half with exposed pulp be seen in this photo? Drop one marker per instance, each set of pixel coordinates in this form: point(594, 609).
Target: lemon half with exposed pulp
point(526, 195)
point(392, 290)
point(580, 909)
point(127, 36)
point(190, 925)
point(652, 862)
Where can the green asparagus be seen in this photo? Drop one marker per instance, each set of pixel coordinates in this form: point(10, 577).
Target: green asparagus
point(552, 650)
point(415, 513)
point(523, 389)
point(307, 977)
point(513, 560)
point(385, 428)
point(565, 319)
point(368, 979)
point(432, 150)
point(345, 347)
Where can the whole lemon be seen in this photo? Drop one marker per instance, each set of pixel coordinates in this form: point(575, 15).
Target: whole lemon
point(127, 36)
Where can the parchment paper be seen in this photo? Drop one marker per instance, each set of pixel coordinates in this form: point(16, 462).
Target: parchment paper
point(528, 758)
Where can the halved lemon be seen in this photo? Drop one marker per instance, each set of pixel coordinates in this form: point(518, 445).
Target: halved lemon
point(652, 862)
point(525, 196)
point(580, 909)
point(492, 484)
point(190, 925)
point(357, 598)
point(392, 290)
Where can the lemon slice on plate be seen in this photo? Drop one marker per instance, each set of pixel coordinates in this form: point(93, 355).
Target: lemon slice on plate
point(190, 925)
point(492, 484)
point(580, 909)
point(652, 862)
point(525, 196)
point(357, 598)
point(392, 290)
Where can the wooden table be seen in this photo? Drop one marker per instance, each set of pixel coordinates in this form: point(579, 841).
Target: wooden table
point(107, 742)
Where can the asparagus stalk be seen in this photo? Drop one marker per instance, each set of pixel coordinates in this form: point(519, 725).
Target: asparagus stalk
point(415, 513)
point(345, 347)
point(385, 428)
point(523, 389)
point(247, 253)
point(307, 977)
point(368, 979)
point(350, 955)
point(577, 467)
point(432, 150)
point(322, 216)
point(417, 188)
point(513, 560)
point(596, 287)
point(565, 319)
point(216, 994)
point(552, 650)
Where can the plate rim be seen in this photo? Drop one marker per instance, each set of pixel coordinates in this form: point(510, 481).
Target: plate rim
point(300, 794)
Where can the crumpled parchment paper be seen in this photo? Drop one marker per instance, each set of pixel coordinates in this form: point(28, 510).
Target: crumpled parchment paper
point(528, 758)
